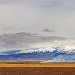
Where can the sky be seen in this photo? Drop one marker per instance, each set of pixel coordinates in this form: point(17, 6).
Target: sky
point(49, 18)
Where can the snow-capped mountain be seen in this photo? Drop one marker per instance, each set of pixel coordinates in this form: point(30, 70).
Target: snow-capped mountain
point(65, 53)
point(62, 48)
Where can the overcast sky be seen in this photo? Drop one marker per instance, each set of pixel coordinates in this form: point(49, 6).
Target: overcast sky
point(36, 15)
point(55, 18)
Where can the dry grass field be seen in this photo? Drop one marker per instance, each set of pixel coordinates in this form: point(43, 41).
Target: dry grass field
point(35, 64)
point(37, 69)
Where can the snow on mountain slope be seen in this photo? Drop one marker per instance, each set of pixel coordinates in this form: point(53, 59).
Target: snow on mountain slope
point(43, 47)
point(62, 48)
point(47, 53)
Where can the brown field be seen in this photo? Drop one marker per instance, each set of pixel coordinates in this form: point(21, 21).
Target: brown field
point(37, 69)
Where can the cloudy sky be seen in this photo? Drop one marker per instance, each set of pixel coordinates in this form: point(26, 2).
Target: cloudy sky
point(35, 15)
point(55, 18)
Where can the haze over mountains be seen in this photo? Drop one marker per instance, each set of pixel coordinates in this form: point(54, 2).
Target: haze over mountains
point(41, 55)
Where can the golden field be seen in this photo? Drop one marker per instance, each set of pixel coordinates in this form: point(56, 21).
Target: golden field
point(32, 64)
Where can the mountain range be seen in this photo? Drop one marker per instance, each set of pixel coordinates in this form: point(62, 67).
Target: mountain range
point(44, 54)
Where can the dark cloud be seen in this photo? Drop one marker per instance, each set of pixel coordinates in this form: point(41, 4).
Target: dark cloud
point(47, 30)
point(19, 40)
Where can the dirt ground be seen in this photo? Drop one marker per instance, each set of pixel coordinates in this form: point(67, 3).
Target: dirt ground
point(37, 71)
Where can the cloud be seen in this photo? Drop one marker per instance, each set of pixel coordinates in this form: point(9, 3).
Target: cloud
point(47, 30)
point(22, 40)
